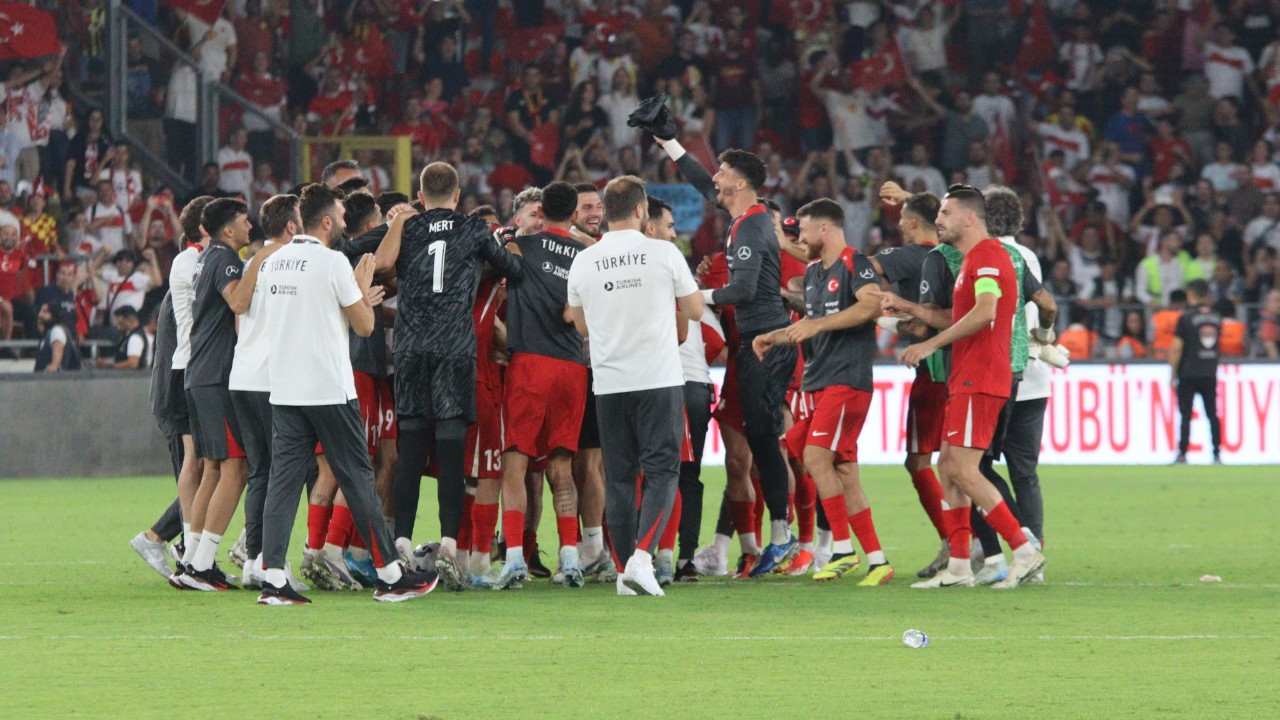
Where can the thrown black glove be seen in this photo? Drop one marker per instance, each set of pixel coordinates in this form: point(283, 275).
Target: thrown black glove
point(653, 117)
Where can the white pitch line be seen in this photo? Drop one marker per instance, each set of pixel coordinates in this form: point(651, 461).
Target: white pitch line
point(26, 563)
point(652, 638)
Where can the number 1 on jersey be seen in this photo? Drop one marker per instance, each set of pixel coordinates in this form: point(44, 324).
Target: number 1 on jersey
point(436, 251)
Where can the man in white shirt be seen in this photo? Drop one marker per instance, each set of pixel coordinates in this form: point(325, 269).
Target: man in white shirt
point(624, 292)
point(920, 169)
point(995, 108)
point(235, 166)
point(313, 297)
point(213, 45)
point(704, 342)
point(1065, 136)
point(1227, 65)
point(1266, 227)
point(127, 281)
point(107, 220)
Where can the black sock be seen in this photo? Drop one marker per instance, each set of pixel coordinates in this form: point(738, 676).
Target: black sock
point(415, 450)
point(451, 488)
point(724, 525)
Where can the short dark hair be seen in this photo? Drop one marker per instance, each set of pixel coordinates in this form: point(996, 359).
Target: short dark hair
point(358, 209)
point(559, 201)
point(220, 213)
point(390, 199)
point(316, 203)
point(924, 206)
point(771, 204)
point(125, 311)
point(1178, 297)
point(657, 206)
point(353, 185)
point(326, 175)
point(1004, 211)
point(439, 181)
point(746, 164)
point(823, 209)
point(484, 211)
point(1198, 289)
point(586, 187)
point(276, 213)
point(190, 218)
point(969, 197)
point(622, 195)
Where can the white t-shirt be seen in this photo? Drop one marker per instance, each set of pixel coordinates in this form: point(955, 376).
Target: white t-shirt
point(1111, 191)
point(1262, 228)
point(693, 351)
point(1073, 143)
point(249, 369)
point(307, 350)
point(135, 347)
point(180, 102)
point(932, 177)
point(1083, 61)
point(236, 168)
point(1266, 177)
point(111, 234)
point(1225, 177)
point(995, 111)
point(627, 285)
point(123, 291)
point(182, 274)
point(852, 118)
point(926, 48)
point(1035, 378)
point(218, 40)
point(1226, 68)
point(127, 184)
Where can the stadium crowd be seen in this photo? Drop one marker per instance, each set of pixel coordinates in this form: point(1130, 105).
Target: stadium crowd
point(1142, 135)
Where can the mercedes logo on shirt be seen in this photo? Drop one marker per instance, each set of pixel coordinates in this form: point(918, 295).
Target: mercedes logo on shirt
point(744, 253)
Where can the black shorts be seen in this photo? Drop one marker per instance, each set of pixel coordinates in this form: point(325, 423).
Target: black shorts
point(589, 435)
point(176, 407)
point(214, 426)
point(430, 386)
point(996, 449)
point(762, 386)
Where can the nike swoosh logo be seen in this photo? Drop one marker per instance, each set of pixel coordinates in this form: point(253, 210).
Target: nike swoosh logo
point(953, 432)
point(818, 434)
point(954, 584)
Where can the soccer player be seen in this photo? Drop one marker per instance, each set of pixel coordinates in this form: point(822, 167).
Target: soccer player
point(1194, 361)
point(250, 378)
point(704, 343)
point(624, 292)
point(841, 304)
point(217, 296)
point(313, 397)
point(985, 301)
point(902, 267)
point(752, 252)
point(438, 256)
point(546, 385)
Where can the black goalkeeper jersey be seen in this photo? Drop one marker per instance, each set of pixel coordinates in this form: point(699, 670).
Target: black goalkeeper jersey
point(441, 257)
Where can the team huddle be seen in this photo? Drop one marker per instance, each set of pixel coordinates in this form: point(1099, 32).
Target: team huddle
point(373, 341)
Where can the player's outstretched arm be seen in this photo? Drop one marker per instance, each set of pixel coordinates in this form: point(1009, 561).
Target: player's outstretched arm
point(239, 294)
point(690, 168)
point(494, 250)
point(865, 310)
point(389, 249)
point(931, 315)
point(982, 315)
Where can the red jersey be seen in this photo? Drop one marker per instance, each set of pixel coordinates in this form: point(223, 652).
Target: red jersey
point(13, 272)
point(980, 363)
point(485, 311)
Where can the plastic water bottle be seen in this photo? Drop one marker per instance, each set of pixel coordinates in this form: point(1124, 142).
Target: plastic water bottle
point(915, 639)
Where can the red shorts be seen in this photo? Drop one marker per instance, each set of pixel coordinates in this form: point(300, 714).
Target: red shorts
point(971, 420)
point(484, 437)
point(543, 404)
point(377, 409)
point(729, 411)
point(801, 404)
point(926, 407)
point(838, 414)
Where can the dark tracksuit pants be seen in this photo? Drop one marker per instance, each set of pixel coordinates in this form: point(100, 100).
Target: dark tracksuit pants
point(1022, 455)
point(697, 406)
point(341, 430)
point(643, 433)
point(169, 525)
point(762, 391)
point(253, 410)
point(1207, 389)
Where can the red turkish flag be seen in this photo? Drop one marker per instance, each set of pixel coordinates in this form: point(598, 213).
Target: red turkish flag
point(1039, 46)
point(545, 146)
point(1002, 154)
point(206, 11)
point(881, 70)
point(26, 32)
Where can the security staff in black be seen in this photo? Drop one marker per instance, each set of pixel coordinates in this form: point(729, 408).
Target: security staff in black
point(755, 271)
point(437, 255)
point(1194, 360)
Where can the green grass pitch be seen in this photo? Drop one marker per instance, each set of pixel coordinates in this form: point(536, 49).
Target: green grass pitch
point(1124, 628)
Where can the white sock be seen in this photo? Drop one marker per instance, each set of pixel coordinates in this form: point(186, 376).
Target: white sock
point(390, 574)
point(779, 532)
point(449, 546)
point(1024, 552)
point(807, 546)
point(824, 539)
point(274, 577)
point(959, 566)
point(188, 538)
point(358, 554)
point(665, 556)
point(207, 551)
point(877, 558)
point(515, 554)
point(570, 553)
point(333, 552)
point(721, 543)
point(193, 544)
point(842, 547)
point(479, 563)
point(592, 544)
point(994, 561)
point(748, 543)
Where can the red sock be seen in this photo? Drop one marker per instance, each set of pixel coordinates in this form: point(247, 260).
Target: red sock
point(758, 518)
point(837, 517)
point(484, 518)
point(568, 527)
point(530, 544)
point(668, 539)
point(317, 524)
point(340, 526)
point(464, 529)
point(865, 530)
point(791, 508)
point(1001, 520)
point(355, 540)
point(806, 514)
point(512, 527)
point(930, 493)
point(742, 516)
point(958, 531)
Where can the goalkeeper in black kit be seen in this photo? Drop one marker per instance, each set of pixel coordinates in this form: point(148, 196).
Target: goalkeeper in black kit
point(755, 268)
point(437, 255)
